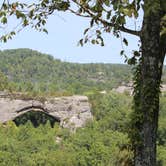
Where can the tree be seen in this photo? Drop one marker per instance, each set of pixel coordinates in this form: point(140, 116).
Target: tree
point(111, 16)
point(4, 83)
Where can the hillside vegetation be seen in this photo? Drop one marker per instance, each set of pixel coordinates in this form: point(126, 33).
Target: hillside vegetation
point(30, 70)
point(102, 142)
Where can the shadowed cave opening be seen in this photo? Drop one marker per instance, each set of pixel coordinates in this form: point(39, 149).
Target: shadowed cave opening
point(36, 118)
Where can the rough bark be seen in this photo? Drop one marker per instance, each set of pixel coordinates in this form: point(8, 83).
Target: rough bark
point(150, 79)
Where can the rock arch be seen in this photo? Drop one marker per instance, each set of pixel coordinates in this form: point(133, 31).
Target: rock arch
point(36, 116)
point(72, 112)
point(34, 107)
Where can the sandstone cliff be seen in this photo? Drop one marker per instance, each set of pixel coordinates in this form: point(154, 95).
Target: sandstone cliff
point(72, 112)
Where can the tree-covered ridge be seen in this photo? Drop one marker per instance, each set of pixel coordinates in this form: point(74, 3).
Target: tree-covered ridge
point(30, 70)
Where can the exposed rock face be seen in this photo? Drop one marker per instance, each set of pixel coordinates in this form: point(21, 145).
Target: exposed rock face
point(129, 89)
point(72, 112)
point(123, 89)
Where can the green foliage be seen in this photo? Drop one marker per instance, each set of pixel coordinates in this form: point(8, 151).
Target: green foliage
point(105, 16)
point(27, 14)
point(31, 71)
point(162, 122)
point(111, 110)
point(4, 83)
point(36, 118)
point(161, 155)
point(44, 74)
point(91, 145)
point(98, 148)
point(102, 142)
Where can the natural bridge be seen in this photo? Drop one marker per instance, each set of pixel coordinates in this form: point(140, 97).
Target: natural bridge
point(71, 112)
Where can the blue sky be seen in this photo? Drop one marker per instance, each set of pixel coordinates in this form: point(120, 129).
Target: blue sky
point(65, 30)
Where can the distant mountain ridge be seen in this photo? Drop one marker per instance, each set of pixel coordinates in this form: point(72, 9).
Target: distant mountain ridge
point(30, 70)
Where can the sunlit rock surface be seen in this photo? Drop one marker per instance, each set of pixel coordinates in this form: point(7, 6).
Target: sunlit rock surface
point(72, 112)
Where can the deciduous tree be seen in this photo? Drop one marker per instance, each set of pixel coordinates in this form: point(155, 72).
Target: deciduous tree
point(112, 16)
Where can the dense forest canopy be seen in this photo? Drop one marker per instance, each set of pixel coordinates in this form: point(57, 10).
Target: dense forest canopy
point(29, 70)
point(103, 142)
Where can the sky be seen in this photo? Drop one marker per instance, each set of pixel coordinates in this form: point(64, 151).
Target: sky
point(64, 32)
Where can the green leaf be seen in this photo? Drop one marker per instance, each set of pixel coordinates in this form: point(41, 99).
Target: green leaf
point(102, 43)
point(4, 20)
point(91, 22)
point(31, 13)
point(125, 41)
point(86, 30)
point(93, 41)
point(132, 61)
point(108, 15)
point(25, 22)
point(43, 22)
point(81, 42)
point(115, 6)
point(45, 30)
point(136, 53)
point(19, 14)
point(2, 13)
point(122, 52)
point(5, 6)
point(12, 33)
point(107, 2)
point(127, 12)
point(4, 39)
point(98, 32)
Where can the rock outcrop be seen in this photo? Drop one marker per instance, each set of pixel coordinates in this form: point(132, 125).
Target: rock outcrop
point(72, 112)
point(128, 88)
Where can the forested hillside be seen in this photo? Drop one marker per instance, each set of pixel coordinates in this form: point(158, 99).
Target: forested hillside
point(30, 70)
point(103, 142)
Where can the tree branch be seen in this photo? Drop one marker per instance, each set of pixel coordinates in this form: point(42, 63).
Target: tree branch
point(121, 28)
point(78, 14)
point(104, 22)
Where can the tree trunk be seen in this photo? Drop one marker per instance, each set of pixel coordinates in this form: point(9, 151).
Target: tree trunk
point(147, 98)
